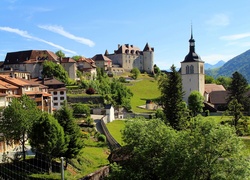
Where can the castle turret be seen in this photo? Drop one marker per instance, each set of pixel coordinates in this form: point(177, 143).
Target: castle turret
point(148, 58)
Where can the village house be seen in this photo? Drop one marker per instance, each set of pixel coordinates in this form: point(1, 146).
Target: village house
point(103, 62)
point(87, 66)
point(56, 89)
point(69, 65)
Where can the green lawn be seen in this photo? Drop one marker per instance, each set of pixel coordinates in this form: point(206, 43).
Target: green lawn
point(115, 128)
point(143, 88)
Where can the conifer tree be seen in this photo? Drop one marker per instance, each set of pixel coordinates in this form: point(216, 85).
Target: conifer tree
point(73, 136)
point(172, 99)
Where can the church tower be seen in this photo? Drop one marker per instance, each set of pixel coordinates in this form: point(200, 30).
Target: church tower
point(192, 71)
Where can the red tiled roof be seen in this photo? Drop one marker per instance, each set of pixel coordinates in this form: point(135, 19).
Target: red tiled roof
point(218, 97)
point(67, 60)
point(213, 87)
point(101, 57)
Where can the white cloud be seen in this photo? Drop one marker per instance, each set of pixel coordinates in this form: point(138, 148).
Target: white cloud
point(219, 20)
point(28, 36)
point(61, 31)
point(235, 36)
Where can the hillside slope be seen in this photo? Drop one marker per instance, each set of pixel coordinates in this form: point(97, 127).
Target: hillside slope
point(240, 63)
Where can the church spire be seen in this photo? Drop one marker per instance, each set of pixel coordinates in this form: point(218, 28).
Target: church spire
point(191, 41)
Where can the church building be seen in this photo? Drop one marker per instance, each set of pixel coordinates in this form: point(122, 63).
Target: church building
point(192, 71)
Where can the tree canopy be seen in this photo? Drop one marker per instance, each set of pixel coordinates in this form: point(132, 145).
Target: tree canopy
point(238, 88)
point(73, 136)
point(18, 119)
point(171, 98)
point(47, 136)
point(60, 54)
point(135, 73)
point(195, 103)
point(207, 150)
point(51, 69)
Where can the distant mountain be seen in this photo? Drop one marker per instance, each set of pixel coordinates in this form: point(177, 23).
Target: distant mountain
point(240, 63)
point(217, 65)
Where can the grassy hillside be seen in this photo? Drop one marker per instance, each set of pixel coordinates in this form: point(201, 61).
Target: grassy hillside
point(143, 88)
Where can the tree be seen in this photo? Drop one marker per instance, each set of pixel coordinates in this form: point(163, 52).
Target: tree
point(208, 150)
point(235, 110)
point(51, 69)
point(209, 79)
point(195, 102)
point(18, 119)
point(76, 58)
point(135, 73)
point(60, 54)
point(47, 137)
point(120, 95)
point(225, 81)
point(80, 108)
point(172, 99)
point(238, 88)
point(71, 130)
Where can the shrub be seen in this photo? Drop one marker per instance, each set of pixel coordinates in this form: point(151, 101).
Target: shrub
point(90, 91)
point(102, 138)
point(122, 79)
point(207, 113)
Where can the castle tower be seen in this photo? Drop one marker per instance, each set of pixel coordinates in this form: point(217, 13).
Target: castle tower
point(148, 58)
point(192, 71)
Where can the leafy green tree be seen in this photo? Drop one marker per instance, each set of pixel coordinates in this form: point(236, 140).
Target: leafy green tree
point(225, 81)
point(60, 54)
point(209, 79)
point(47, 136)
point(73, 136)
point(195, 102)
point(135, 73)
point(238, 88)
point(172, 99)
point(120, 94)
point(18, 119)
point(80, 108)
point(208, 150)
point(76, 58)
point(235, 110)
point(51, 69)
point(157, 70)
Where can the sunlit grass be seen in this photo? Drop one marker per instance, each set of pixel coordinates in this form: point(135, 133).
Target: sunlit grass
point(143, 88)
point(115, 128)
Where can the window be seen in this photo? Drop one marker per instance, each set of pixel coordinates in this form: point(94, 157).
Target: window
point(55, 93)
point(61, 98)
point(187, 69)
point(55, 104)
point(62, 92)
point(191, 69)
point(55, 98)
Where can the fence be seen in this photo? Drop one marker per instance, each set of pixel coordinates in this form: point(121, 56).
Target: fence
point(34, 167)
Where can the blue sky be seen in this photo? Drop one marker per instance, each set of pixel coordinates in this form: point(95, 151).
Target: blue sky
point(221, 28)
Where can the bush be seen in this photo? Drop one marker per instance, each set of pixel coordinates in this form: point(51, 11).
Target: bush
point(102, 138)
point(207, 113)
point(81, 109)
point(90, 91)
point(122, 80)
point(89, 120)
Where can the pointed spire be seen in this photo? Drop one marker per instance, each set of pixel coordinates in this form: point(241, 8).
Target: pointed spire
point(191, 30)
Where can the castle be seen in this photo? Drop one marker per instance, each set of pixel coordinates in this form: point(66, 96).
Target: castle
point(129, 57)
